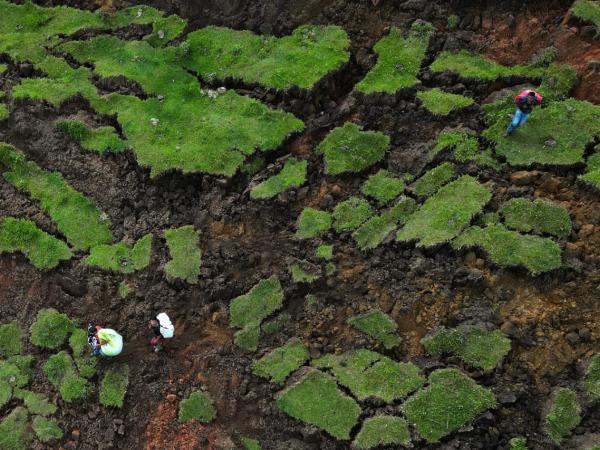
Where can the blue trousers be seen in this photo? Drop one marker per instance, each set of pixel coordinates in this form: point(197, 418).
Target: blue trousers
point(518, 119)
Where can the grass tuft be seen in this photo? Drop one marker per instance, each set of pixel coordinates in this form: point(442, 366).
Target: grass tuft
point(16, 370)
point(383, 187)
point(124, 289)
point(122, 257)
point(185, 253)
point(518, 443)
point(98, 140)
point(61, 373)
point(276, 324)
point(315, 399)
point(114, 386)
point(564, 415)
point(10, 339)
point(442, 103)
point(304, 272)
point(588, 11)
point(379, 326)
point(351, 214)
point(592, 171)
point(592, 378)
point(198, 406)
point(6, 392)
point(4, 112)
point(36, 403)
point(313, 223)
point(465, 148)
point(15, 433)
point(50, 329)
point(292, 175)
point(277, 365)
point(349, 149)
point(79, 344)
point(250, 444)
point(46, 430)
point(539, 216)
point(558, 82)
point(324, 251)
point(382, 430)
point(433, 180)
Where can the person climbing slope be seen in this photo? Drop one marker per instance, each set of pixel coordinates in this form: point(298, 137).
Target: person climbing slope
point(525, 102)
point(162, 328)
point(104, 341)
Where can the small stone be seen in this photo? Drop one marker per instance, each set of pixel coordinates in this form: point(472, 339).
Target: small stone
point(75, 434)
point(572, 338)
point(171, 398)
point(585, 334)
point(509, 328)
point(524, 177)
point(161, 34)
point(154, 121)
point(550, 143)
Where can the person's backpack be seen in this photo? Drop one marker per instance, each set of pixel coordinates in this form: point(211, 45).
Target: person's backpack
point(167, 330)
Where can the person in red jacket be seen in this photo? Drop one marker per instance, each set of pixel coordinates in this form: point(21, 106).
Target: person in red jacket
point(525, 102)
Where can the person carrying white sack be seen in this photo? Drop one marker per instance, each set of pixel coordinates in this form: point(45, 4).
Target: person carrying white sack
point(162, 328)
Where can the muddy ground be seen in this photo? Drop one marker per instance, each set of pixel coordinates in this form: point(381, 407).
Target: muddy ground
point(553, 319)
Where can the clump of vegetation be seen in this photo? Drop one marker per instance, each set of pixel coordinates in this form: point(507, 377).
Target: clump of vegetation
point(324, 251)
point(301, 59)
point(558, 81)
point(46, 430)
point(351, 214)
point(592, 378)
point(316, 400)
point(443, 103)
point(3, 68)
point(75, 215)
point(382, 430)
point(98, 140)
point(450, 401)
point(452, 22)
point(50, 329)
point(470, 65)
point(185, 253)
point(383, 187)
point(564, 415)
point(538, 215)
point(444, 215)
point(433, 180)
point(61, 373)
point(79, 344)
point(4, 112)
point(379, 326)
point(114, 386)
point(399, 60)
point(588, 11)
point(15, 433)
point(592, 171)
point(304, 272)
point(122, 257)
point(250, 444)
point(518, 443)
point(373, 232)
point(349, 149)
point(474, 345)
point(465, 148)
point(10, 339)
point(369, 374)
point(508, 248)
point(292, 175)
point(276, 324)
point(124, 289)
point(312, 223)
point(198, 406)
point(249, 310)
point(277, 365)
point(14, 373)
point(43, 250)
point(36, 403)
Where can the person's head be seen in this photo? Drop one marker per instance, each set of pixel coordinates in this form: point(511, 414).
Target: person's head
point(153, 322)
point(531, 96)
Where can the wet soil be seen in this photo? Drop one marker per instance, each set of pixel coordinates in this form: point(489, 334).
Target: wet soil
point(552, 319)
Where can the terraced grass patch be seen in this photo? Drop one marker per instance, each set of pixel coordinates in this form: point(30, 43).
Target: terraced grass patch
point(369, 374)
point(14, 431)
point(50, 329)
point(75, 215)
point(292, 175)
point(433, 180)
point(558, 82)
point(10, 339)
point(442, 103)
point(198, 406)
point(100, 140)
point(587, 11)
point(276, 324)
point(508, 248)
point(373, 232)
point(399, 60)
point(249, 310)
point(324, 251)
point(79, 344)
point(46, 430)
point(564, 415)
point(312, 223)
point(382, 430)
point(277, 365)
point(316, 400)
point(114, 386)
point(350, 214)
point(592, 171)
point(470, 65)
point(122, 257)
point(465, 148)
point(15, 371)
point(304, 272)
point(378, 325)
point(36, 403)
point(383, 187)
point(61, 373)
point(556, 135)
point(474, 345)
point(444, 215)
point(450, 401)
point(592, 378)
point(300, 59)
point(349, 149)
point(185, 253)
point(539, 216)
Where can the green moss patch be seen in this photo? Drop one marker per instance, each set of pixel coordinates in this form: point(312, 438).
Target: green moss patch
point(564, 415)
point(538, 215)
point(474, 345)
point(587, 11)
point(301, 59)
point(324, 251)
point(470, 65)
point(16, 370)
point(433, 180)
point(62, 374)
point(185, 253)
point(198, 406)
point(292, 175)
point(75, 215)
point(6, 392)
point(312, 223)
point(373, 232)
point(250, 444)
point(379, 326)
point(349, 149)
point(79, 344)
point(382, 430)
point(465, 147)
point(10, 339)
point(277, 365)
point(556, 135)
point(15, 433)
point(46, 430)
point(399, 60)
point(316, 399)
point(249, 310)
point(36, 403)
point(4, 112)
point(592, 378)
point(442, 103)
point(122, 257)
point(50, 329)
point(43, 250)
point(518, 443)
point(304, 272)
point(276, 324)
point(450, 401)
point(509, 249)
point(369, 374)
point(114, 386)
point(592, 171)
point(124, 289)
point(383, 187)
point(558, 82)
point(444, 215)
point(350, 214)
point(98, 140)
point(3, 68)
